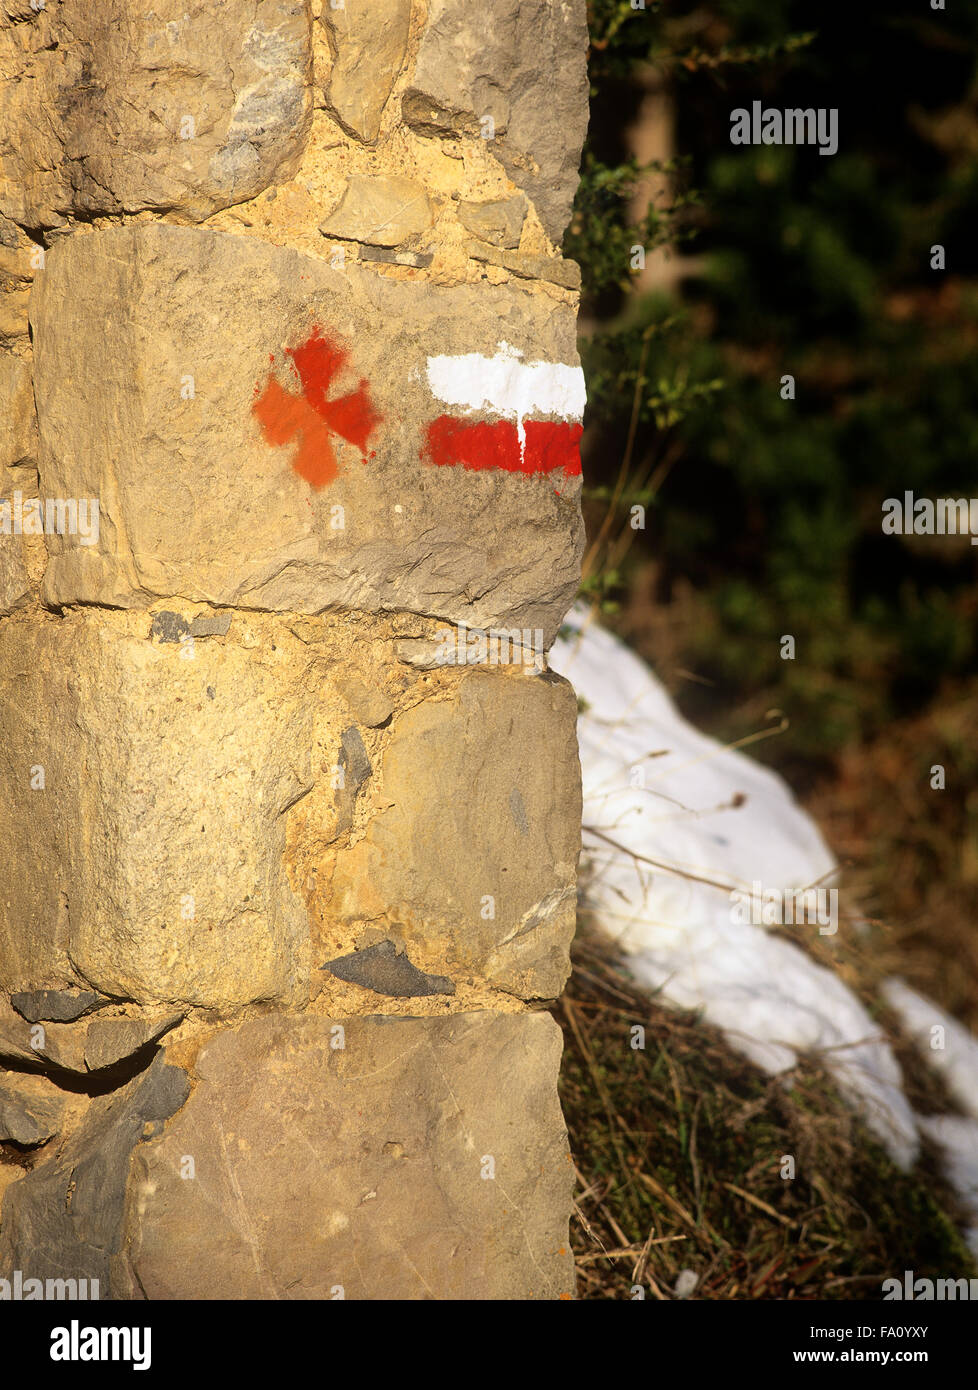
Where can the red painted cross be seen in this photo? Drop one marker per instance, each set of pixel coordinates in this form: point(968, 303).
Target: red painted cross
point(313, 418)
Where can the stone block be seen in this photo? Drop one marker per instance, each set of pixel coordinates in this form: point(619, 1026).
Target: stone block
point(383, 1169)
point(176, 105)
point(380, 211)
point(471, 862)
point(525, 67)
point(18, 425)
point(499, 221)
point(66, 1218)
point(14, 585)
point(368, 39)
point(262, 429)
point(31, 1109)
point(141, 805)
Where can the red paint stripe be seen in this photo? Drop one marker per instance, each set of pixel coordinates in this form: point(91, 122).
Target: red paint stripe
point(548, 447)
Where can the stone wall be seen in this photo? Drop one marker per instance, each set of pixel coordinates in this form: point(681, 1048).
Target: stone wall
point(289, 515)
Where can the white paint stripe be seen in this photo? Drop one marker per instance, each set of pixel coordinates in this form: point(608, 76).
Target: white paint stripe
point(502, 385)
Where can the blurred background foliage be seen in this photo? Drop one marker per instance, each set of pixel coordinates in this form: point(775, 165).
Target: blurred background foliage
point(762, 516)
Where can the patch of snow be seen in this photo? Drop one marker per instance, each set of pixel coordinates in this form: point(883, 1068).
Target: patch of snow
point(711, 821)
point(953, 1051)
point(674, 825)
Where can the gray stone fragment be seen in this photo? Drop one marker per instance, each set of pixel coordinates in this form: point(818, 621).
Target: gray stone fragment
point(55, 1005)
point(211, 625)
point(64, 1220)
point(356, 769)
point(416, 259)
point(498, 222)
point(381, 211)
point(353, 758)
point(554, 269)
point(31, 1109)
point(109, 1040)
point(381, 969)
point(171, 627)
point(168, 627)
point(525, 67)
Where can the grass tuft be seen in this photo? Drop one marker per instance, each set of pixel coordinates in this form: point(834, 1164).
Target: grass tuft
point(679, 1149)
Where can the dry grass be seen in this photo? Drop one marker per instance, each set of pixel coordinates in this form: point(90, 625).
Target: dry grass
point(679, 1149)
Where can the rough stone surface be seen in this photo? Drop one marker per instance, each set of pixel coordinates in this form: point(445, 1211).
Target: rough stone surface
point(555, 269)
point(13, 315)
point(65, 1220)
point(79, 1047)
point(18, 424)
point(374, 1181)
point(368, 39)
point(371, 705)
point(526, 67)
point(498, 222)
point(355, 767)
point(160, 826)
point(56, 1006)
point(16, 273)
point(109, 1040)
point(127, 104)
point(379, 211)
point(386, 971)
point(154, 303)
point(31, 1109)
point(211, 625)
point(14, 585)
point(449, 839)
